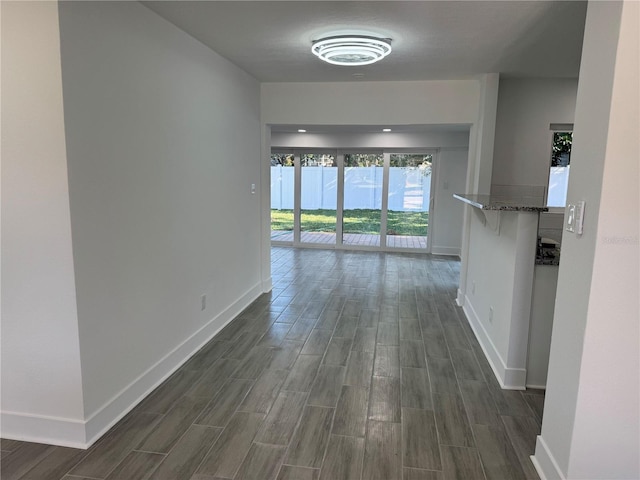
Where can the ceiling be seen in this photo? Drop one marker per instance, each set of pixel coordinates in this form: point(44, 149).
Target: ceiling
point(432, 40)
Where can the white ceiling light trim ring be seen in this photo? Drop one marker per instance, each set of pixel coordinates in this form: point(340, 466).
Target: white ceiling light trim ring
point(351, 50)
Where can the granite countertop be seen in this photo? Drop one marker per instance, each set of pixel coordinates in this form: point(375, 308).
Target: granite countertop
point(504, 203)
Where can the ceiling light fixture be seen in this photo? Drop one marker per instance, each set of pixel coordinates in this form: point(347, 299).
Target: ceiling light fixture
point(386, 129)
point(351, 50)
point(302, 130)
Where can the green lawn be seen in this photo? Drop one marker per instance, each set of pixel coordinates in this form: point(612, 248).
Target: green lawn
point(355, 221)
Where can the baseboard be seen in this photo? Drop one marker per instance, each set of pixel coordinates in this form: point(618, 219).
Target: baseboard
point(82, 434)
point(460, 298)
point(110, 413)
point(449, 251)
point(545, 463)
point(536, 387)
point(64, 432)
point(508, 378)
point(267, 285)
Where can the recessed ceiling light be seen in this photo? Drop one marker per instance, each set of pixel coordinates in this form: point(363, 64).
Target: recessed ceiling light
point(351, 50)
point(302, 130)
point(386, 129)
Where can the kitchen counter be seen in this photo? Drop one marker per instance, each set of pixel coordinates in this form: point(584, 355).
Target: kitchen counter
point(504, 203)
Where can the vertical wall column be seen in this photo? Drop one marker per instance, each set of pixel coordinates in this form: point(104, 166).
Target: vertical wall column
point(591, 424)
point(480, 166)
point(265, 210)
point(340, 199)
point(42, 397)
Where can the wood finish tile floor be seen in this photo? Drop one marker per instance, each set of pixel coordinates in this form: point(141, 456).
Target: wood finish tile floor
point(356, 366)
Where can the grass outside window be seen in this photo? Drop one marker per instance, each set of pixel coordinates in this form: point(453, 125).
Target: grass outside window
point(354, 221)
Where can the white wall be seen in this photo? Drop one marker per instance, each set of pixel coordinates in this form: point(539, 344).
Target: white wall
point(526, 108)
point(163, 143)
point(545, 284)
point(591, 420)
point(483, 136)
point(370, 103)
point(163, 139)
point(41, 377)
point(448, 215)
point(500, 269)
point(388, 141)
point(481, 145)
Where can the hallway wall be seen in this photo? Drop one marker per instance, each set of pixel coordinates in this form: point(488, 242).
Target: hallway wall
point(41, 372)
point(526, 108)
point(162, 145)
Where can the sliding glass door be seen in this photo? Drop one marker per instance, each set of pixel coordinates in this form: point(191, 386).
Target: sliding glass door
point(351, 199)
point(318, 198)
point(362, 199)
point(282, 197)
point(409, 199)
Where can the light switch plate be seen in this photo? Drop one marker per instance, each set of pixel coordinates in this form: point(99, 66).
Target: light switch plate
point(579, 216)
point(575, 217)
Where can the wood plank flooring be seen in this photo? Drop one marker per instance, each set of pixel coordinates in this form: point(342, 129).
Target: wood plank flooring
point(356, 366)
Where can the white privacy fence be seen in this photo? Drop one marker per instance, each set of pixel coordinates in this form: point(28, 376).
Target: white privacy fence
point(409, 188)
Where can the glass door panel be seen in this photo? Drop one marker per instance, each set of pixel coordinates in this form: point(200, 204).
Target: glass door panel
point(409, 194)
point(318, 190)
point(362, 206)
point(282, 195)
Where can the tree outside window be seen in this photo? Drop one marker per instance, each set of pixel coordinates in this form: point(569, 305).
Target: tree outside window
point(560, 166)
point(561, 151)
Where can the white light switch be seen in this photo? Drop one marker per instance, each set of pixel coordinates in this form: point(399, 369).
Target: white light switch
point(253, 188)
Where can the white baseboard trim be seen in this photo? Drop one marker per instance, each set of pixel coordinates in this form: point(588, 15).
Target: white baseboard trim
point(111, 412)
point(545, 463)
point(536, 387)
point(509, 378)
point(65, 432)
point(449, 251)
point(267, 285)
point(460, 298)
point(82, 434)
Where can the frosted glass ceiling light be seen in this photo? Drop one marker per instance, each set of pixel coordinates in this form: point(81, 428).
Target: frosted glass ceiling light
point(351, 50)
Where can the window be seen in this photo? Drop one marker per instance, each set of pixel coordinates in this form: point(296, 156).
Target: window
point(562, 137)
point(362, 198)
point(353, 199)
point(284, 159)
